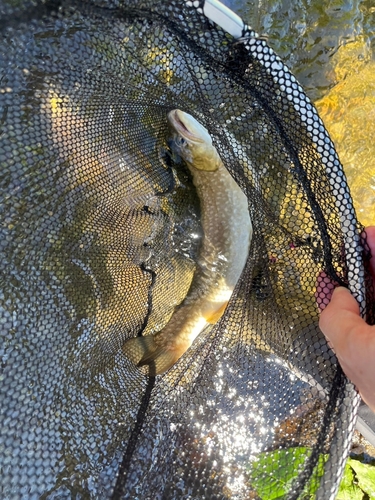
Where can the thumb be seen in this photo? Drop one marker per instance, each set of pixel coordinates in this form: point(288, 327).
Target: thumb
point(340, 317)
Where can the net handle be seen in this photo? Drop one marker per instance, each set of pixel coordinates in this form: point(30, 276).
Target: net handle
point(224, 17)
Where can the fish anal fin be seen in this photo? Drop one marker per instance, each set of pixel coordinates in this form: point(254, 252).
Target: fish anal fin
point(144, 351)
point(216, 315)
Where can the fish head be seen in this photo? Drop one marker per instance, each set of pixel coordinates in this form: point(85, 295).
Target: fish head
point(192, 142)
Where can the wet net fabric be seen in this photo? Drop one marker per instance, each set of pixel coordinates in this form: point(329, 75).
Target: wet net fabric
point(99, 239)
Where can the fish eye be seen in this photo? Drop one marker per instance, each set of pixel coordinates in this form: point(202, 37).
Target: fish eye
point(180, 141)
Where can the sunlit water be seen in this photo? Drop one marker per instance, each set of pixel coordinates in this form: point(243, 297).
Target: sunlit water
point(330, 47)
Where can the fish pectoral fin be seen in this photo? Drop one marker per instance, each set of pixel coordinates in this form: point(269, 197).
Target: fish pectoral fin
point(151, 355)
point(144, 351)
point(216, 315)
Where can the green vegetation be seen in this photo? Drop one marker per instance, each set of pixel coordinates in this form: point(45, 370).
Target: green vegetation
point(272, 475)
point(358, 482)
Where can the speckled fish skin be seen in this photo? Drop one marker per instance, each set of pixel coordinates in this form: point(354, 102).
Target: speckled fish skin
point(227, 235)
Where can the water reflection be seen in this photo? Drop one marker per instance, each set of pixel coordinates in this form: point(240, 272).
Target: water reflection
point(329, 46)
point(348, 110)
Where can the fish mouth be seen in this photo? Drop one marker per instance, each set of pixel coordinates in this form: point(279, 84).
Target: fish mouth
point(181, 128)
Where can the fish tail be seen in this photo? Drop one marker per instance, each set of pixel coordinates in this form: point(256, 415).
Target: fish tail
point(144, 351)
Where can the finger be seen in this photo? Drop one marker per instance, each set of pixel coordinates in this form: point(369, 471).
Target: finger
point(340, 317)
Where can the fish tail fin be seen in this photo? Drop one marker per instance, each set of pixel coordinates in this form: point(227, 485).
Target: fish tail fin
point(144, 351)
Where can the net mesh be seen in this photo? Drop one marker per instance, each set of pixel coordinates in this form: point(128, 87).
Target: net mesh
point(100, 235)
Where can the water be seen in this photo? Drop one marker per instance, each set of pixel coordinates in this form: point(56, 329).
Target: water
point(330, 47)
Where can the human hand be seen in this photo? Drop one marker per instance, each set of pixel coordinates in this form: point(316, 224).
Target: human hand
point(352, 339)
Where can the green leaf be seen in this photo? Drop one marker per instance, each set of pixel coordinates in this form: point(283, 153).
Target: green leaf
point(348, 489)
point(273, 473)
point(314, 482)
point(365, 475)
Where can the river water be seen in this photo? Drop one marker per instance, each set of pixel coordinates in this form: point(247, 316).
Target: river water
point(330, 47)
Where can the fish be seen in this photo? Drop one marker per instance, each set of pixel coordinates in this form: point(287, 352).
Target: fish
point(227, 234)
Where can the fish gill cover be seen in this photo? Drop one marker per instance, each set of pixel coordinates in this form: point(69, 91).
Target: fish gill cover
point(100, 237)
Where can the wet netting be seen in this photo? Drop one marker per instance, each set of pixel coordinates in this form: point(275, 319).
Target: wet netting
point(100, 238)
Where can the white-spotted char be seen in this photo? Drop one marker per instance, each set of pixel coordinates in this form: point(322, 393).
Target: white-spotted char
point(227, 233)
